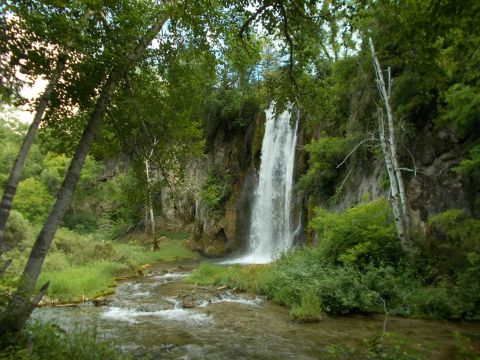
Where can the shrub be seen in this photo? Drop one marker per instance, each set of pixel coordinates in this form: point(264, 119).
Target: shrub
point(325, 155)
point(17, 230)
point(454, 245)
point(80, 221)
point(450, 259)
point(309, 309)
point(82, 248)
point(362, 234)
point(32, 200)
point(55, 261)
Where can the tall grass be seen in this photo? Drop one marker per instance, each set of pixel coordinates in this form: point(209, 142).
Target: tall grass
point(81, 266)
point(49, 341)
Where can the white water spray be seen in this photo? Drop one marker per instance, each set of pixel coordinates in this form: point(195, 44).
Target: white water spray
point(271, 229)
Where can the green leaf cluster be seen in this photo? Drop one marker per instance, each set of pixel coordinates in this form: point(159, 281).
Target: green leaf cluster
point(361, 235)
point(323, 172)
point(216, 189)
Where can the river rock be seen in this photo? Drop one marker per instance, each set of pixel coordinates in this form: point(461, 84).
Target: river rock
point(188, 301)
point(100, 301)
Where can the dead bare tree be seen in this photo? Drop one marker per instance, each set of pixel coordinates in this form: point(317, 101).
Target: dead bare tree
point(388, 142)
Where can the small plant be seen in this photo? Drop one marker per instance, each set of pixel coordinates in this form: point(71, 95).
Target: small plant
point(309, 309)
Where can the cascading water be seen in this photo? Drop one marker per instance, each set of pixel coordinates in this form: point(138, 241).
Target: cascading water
point(271, 230)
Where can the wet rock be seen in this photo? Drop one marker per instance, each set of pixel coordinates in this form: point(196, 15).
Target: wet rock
point(101, 301)
point(188, 301)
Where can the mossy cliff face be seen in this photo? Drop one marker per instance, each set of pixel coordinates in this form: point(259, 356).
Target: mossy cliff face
point(214, 200)
point(432, 184)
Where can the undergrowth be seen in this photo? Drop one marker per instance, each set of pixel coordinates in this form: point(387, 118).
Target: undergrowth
point(358, 267)
point(48, 341)
point(82, 266)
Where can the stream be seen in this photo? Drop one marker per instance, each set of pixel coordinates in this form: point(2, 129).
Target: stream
point(160, 316)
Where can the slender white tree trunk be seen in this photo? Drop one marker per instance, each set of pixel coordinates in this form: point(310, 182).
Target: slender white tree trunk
point(150, 203)
point(388, 140)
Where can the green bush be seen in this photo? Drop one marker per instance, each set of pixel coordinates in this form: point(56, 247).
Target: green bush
point(83, 222)
point(17, 230)
point(55, 261)
point(33, 200)
point(324, 156)
point(82, 248)
point(240, 277)
point(450, 259)
point(228, 110)
point(454, 244)
point(309, 309)
point(361, 235)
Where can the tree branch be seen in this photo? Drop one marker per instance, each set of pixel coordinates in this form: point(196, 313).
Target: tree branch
point(355, 149)
point(252, 18)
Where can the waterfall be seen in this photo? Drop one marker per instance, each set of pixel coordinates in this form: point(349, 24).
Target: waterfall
point(271, 227)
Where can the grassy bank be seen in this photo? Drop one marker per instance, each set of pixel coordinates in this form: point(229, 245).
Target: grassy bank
point(85, 266)
point(358, 267)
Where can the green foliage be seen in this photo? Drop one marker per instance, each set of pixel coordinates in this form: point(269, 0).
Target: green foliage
point(361, 235)
point(229, 110)
point(33, 200)
point(358, 266)
point(464, 347)
point(82, 248)
point(462, 105)
point(324, 156)
point(309, 308)
point(82, 265)
point(54, 167)
point(17, 230)
point(455, 242)
point(216, 189)
point(450, 257)
point(391, 346)
point(471, 164)
point(52, 342)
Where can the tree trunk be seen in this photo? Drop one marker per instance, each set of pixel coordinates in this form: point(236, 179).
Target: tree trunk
point(389, 147)
point(17, 168)
point(394, 191)
point(20, 306)
point(150, 204)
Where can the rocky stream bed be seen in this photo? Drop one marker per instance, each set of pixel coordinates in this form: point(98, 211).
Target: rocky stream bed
point(160, 316)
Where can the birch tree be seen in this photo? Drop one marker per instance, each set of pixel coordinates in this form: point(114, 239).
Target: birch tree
point(388, 143)
point(150, 216)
